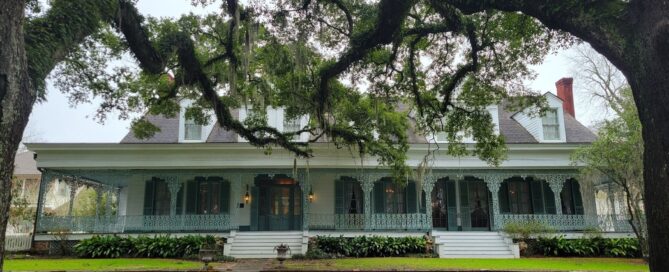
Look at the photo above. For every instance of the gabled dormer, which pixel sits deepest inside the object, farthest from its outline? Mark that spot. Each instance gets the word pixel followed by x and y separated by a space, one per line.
pixel 550 127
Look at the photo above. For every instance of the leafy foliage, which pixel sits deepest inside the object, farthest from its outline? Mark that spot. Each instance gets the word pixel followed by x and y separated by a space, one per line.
pixel 588 247
pixel 617 155
pixel 21 214
pixel 112 246
pixel 370 246
pixel 364 81
pixel 525 230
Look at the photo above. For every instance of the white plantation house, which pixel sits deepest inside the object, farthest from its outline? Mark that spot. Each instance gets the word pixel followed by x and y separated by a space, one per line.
pixel 189 178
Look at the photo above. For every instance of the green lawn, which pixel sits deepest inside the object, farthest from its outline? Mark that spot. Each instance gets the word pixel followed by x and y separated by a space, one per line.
pixel 98 264
pixel 530 264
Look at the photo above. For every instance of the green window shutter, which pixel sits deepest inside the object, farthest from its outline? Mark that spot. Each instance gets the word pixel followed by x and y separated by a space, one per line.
pixel 537 196
pixel 504 198
pixel 379 197
pixel 255 203
pixel 576 196
pixel 412 202
pixel 423 200
pixel 339 197
pixel 149 191
pixel 549 199
pixel 191 197
pixel 225 196
pixel 180 200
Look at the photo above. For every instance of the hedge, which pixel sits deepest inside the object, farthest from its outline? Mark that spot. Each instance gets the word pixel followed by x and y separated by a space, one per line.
pixel 588 247
pixel 112 246
pixel 372 246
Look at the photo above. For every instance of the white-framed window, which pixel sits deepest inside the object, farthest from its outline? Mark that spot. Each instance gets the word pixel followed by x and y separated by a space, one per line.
pixel 292 125
pixel 551 125
pixel 440 137
pixel 192 131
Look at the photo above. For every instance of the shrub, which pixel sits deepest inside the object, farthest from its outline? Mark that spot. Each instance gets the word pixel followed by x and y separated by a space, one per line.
pixel 372 246
pixel 623 247
pixel 103 247
pixel 588 247
pixel 525 230
pixel 111 246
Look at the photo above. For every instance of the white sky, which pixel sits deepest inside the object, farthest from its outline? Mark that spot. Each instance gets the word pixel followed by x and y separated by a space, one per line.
pixel 56 121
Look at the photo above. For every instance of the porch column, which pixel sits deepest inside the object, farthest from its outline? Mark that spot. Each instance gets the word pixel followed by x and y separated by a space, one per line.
pixel 236 181
pixel 305 185
pixel 174 186
pixel 556 182
pixel 494 182
pixel 46 178
pixel 74 185
pixel 367 184
pixel 428 185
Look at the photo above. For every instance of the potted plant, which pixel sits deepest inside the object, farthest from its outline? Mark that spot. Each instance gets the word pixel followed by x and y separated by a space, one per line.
pixel 281 253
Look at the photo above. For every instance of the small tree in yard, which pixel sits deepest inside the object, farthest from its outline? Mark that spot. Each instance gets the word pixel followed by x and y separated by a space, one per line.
pixel 21 215
pixel 617 154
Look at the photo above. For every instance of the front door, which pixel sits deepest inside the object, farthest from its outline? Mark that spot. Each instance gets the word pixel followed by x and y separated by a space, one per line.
pixel 460 205
pixel 278 205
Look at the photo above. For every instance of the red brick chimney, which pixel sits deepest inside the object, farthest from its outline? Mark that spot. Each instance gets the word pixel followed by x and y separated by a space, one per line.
pixel 566 93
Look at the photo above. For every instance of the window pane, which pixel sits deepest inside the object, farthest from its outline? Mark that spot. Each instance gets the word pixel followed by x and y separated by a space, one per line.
pixel 292 125
pixel 440 137
pixel 162 199
pixel 192 131
pixel 215 196
pixel 395 198
pixel 352 198
pixel 551 125
pixel 204 198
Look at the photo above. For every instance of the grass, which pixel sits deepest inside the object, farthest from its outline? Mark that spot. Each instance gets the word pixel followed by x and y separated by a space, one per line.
pixel 529 264
pixel 98 264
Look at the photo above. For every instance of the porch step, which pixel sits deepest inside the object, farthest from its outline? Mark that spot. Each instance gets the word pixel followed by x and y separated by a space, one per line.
pixel 260 244
pixel 472 245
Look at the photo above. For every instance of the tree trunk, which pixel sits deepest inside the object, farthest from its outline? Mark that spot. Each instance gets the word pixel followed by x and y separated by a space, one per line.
pixel 651 91
pixel 647 55
pixel 16 101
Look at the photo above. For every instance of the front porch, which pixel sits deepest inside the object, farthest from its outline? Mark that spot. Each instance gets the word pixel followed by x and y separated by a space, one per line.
pixel 186 201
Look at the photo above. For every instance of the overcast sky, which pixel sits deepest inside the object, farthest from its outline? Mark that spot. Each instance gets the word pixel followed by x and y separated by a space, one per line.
pixel 56 121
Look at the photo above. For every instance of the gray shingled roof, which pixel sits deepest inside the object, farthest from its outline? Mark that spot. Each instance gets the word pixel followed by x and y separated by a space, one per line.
pixel 169 131
pixel 512 131
pixel 577 132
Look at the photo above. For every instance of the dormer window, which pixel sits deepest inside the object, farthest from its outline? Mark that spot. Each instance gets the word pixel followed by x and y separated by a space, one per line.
pixel 292 125
pixel 551 125
pixel 192 131
pixel 441 137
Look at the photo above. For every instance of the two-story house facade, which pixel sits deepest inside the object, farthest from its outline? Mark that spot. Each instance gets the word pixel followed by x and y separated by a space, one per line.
pixel 190 178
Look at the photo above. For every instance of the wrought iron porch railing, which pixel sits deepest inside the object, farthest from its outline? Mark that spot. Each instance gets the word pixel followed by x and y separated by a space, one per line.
pixel 568 222
pixel 134 223
pixel 324 221
pixel 377 221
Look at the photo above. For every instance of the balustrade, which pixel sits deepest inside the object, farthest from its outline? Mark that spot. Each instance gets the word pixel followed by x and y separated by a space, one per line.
pixel 134 223
pixel 377 221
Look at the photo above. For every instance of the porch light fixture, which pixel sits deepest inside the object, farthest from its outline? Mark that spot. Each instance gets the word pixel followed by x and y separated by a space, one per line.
pixel 311 196
pixel 247 197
